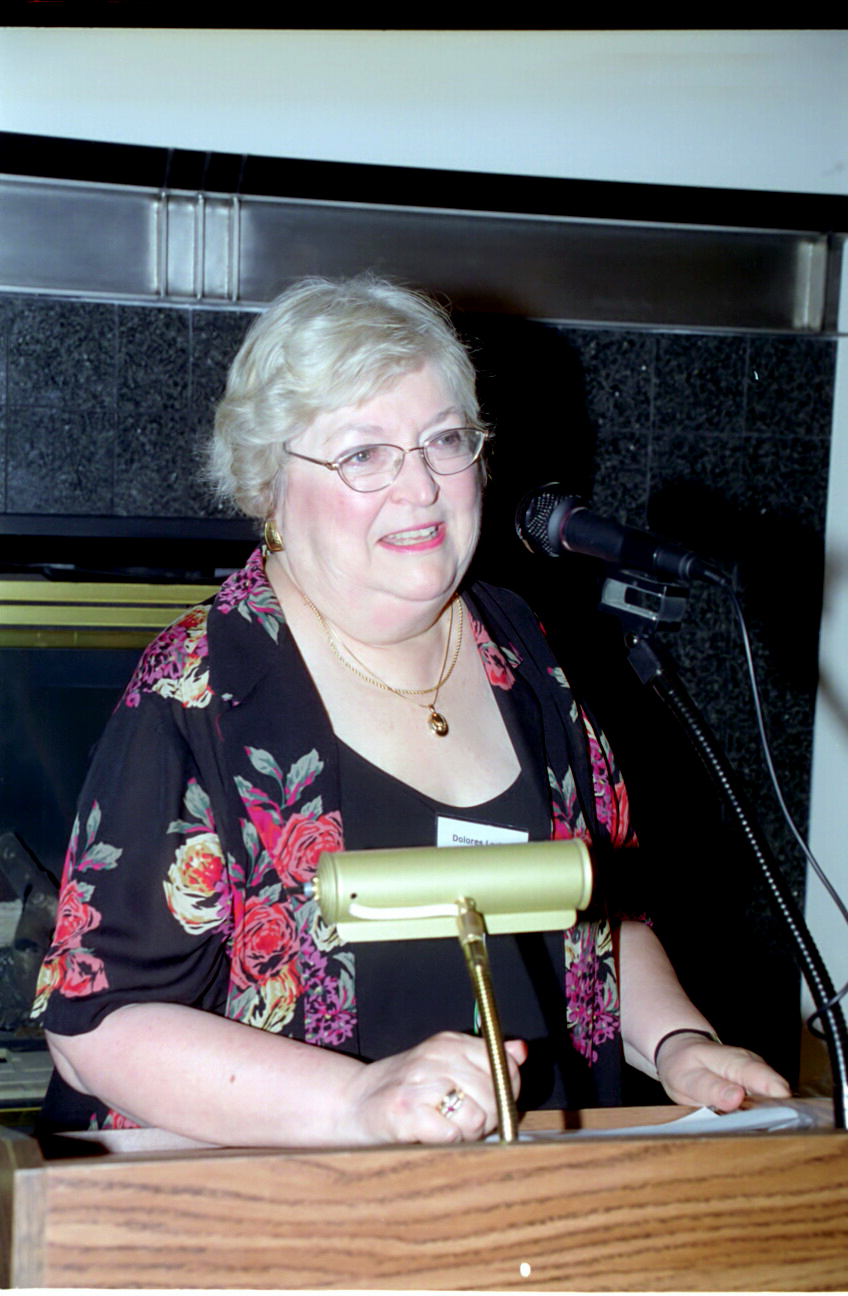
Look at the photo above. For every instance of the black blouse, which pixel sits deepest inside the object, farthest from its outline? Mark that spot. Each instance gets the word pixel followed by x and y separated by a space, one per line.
pixel 409 991
pixel 210 797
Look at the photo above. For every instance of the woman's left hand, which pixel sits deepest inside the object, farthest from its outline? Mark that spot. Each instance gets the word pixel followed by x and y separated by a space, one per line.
pixel 700 1072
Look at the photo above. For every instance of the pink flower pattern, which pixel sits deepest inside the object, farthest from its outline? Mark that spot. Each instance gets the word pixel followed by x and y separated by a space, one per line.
pixel 591 989
pixel 497 662
pixel 611 802
pixel 175 663
pixel 249 593
pixel 591 985
pixel 249 898
pixel 330 1008
pixel 284 849
pixel 70 966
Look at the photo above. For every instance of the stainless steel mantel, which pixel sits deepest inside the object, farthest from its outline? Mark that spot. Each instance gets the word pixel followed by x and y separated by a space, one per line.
pixel 117 241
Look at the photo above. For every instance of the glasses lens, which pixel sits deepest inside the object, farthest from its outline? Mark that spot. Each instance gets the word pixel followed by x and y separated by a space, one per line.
pixel 452 451
pixel 371 467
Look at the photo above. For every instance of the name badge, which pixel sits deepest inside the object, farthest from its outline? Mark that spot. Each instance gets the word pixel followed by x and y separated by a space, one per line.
pixel 464 832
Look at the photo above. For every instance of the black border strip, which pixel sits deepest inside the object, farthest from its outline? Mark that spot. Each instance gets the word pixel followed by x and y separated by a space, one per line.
pixel 50 157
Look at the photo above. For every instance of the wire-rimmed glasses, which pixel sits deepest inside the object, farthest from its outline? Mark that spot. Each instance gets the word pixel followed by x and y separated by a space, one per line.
pixel 373 467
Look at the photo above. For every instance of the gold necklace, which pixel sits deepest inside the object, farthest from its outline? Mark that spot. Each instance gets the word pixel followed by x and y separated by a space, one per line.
pixel 436 721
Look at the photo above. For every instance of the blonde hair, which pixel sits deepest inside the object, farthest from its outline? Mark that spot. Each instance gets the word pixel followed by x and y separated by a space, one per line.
pixel 322 345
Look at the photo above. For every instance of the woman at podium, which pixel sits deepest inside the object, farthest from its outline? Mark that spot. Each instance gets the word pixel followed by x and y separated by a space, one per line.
pixel 350 688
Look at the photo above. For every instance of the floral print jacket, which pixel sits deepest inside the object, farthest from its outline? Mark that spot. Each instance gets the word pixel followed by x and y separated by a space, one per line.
pixel 215 788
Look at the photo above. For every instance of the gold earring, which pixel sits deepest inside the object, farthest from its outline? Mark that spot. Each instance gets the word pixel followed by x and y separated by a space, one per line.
pixel 273 539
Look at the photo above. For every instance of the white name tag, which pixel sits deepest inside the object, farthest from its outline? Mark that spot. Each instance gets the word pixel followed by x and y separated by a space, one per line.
pixel 463 832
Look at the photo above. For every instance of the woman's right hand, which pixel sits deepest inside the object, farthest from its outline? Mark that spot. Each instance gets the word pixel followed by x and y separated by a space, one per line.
pixel 219 1081
pixel 398 1099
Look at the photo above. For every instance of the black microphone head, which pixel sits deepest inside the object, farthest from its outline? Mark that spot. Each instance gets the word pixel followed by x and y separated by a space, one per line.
pixel 539 518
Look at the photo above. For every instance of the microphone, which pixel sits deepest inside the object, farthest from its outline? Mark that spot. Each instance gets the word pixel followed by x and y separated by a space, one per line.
pixel 551 523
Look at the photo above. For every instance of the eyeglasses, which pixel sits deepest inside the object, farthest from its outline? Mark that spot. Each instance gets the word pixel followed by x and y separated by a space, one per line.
pixel 373 467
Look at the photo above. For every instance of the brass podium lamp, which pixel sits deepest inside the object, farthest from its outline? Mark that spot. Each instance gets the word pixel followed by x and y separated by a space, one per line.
pixel 466 891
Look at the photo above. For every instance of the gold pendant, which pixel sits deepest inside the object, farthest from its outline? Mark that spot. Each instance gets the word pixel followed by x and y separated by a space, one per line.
pixel 437 723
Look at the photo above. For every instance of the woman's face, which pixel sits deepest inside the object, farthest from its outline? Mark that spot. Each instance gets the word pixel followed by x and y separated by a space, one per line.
pixel 387 557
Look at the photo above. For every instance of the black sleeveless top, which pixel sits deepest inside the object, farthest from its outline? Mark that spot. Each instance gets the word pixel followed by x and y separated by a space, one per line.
pixel 407 991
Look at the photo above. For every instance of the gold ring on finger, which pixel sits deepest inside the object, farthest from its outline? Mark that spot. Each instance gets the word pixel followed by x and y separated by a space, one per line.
pixel 451 1103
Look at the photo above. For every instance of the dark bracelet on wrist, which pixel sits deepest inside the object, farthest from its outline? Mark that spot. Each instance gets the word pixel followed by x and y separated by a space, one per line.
pixel 685 1030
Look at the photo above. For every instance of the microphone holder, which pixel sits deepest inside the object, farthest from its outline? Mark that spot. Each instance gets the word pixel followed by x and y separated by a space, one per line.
pixel 644 606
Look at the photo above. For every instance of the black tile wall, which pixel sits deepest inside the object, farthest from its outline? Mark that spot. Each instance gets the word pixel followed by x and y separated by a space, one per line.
pixel 789 386
pixel 697 384
pixel 158 465
pixel 216 336
pixel 734 464
pixel 620 368
pixel 60 460
pixel 738 468
pixel 106 405
pixel 61 353
pixel 718 441
pixel 153 355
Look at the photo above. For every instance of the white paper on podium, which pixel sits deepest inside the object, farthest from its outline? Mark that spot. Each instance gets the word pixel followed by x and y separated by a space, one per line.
pixel 766 1117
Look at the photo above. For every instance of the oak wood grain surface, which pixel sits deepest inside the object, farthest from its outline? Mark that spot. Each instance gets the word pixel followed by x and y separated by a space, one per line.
pixel 749 1212
pixel 22 1191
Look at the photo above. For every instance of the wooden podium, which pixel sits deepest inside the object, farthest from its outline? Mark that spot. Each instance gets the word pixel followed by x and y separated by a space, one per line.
pixel 674 1212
